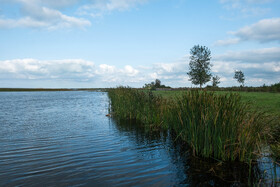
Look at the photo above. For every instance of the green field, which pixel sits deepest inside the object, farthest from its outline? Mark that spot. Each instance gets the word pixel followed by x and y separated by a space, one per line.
pixel 260 101
pixel 263 101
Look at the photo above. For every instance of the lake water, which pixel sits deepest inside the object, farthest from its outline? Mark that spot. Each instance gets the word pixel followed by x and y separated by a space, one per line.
pixel 64 138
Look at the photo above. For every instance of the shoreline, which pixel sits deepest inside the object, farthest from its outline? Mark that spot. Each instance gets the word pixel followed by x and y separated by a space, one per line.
pixel 48 89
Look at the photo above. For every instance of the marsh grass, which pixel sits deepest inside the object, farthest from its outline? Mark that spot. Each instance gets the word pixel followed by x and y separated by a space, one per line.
pixel 275 139
pixel 132 104
pixel 275 149
pixel 218 126
pixel 214 126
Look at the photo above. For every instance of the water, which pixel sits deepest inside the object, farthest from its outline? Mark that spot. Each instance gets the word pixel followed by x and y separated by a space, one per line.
pixel 64 138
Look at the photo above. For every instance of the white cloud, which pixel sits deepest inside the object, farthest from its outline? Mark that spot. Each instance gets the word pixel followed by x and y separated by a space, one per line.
pixel 63 21
pixel 49 13
pixel 260 1
pixel 98 8
pixel 245 8
pixel 78 70
pixel 170 68
pixel 48 3
pixel 122 4
pixel 106 69
pixel 246 1
pixel 251 56
pixel 108 73
pixel 52 3
pixel 259 65
pixel 227 42
pixel 111 5
pixel 38 69
pixel 170 73
pixel 266 30
pixel 74 69
pixel 36 16
pixel 267 72
pixel 130 71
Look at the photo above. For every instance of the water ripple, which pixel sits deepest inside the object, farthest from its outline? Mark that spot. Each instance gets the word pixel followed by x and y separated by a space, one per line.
pixel 64 138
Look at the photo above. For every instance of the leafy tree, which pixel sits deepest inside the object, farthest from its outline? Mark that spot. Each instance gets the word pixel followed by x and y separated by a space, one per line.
pixel 239 76
pixel 150 86
pixel 200 65
pixel 154 85
pixel 157 83
pixel 215 81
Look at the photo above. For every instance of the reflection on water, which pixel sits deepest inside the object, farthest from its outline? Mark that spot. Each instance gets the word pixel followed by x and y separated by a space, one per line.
pixel 64 138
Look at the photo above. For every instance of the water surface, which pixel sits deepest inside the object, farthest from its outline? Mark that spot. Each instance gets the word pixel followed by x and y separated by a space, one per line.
pixel 64 138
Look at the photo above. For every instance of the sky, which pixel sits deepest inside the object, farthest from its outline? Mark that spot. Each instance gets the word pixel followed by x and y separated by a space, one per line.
pixel 108 43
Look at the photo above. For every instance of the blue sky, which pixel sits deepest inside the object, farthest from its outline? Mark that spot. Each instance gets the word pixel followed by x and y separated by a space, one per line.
pixel 106 43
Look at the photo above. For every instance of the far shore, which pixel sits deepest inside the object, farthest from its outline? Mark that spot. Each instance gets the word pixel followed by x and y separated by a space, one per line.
pixel 48 89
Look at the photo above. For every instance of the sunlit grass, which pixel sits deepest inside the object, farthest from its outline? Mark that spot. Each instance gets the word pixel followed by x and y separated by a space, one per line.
pixel 259 101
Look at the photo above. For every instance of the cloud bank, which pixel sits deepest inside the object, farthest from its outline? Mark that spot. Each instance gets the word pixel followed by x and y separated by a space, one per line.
pixel 49 14
pixel 264 31
pixel 41 14
pixel 72 70
pixel 245 8
pixel 260 66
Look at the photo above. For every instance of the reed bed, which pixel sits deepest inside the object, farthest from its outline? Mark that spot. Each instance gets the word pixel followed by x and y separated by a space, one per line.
pixel 218 126
pixel 214 126
pixel 133 104
pixel 275 148
pixel 275 139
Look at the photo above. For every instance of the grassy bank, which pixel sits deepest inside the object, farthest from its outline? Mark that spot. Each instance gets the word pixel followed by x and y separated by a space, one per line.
pixel 215 126
pixel 265 102
pixel 259 101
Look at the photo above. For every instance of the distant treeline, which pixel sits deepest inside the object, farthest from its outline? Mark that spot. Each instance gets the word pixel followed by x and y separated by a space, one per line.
pixel 48 89
pixel 264 88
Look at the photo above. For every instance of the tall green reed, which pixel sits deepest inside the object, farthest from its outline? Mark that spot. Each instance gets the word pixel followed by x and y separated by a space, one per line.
pixel 214 126
pixel 218 126
pixel 133 104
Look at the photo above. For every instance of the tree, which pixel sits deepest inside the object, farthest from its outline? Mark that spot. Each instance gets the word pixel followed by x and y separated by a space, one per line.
pixel 239 76
pixel 215 81
pixel 150 86
pixel 154 85
pixel 200 65
pixel 157 83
